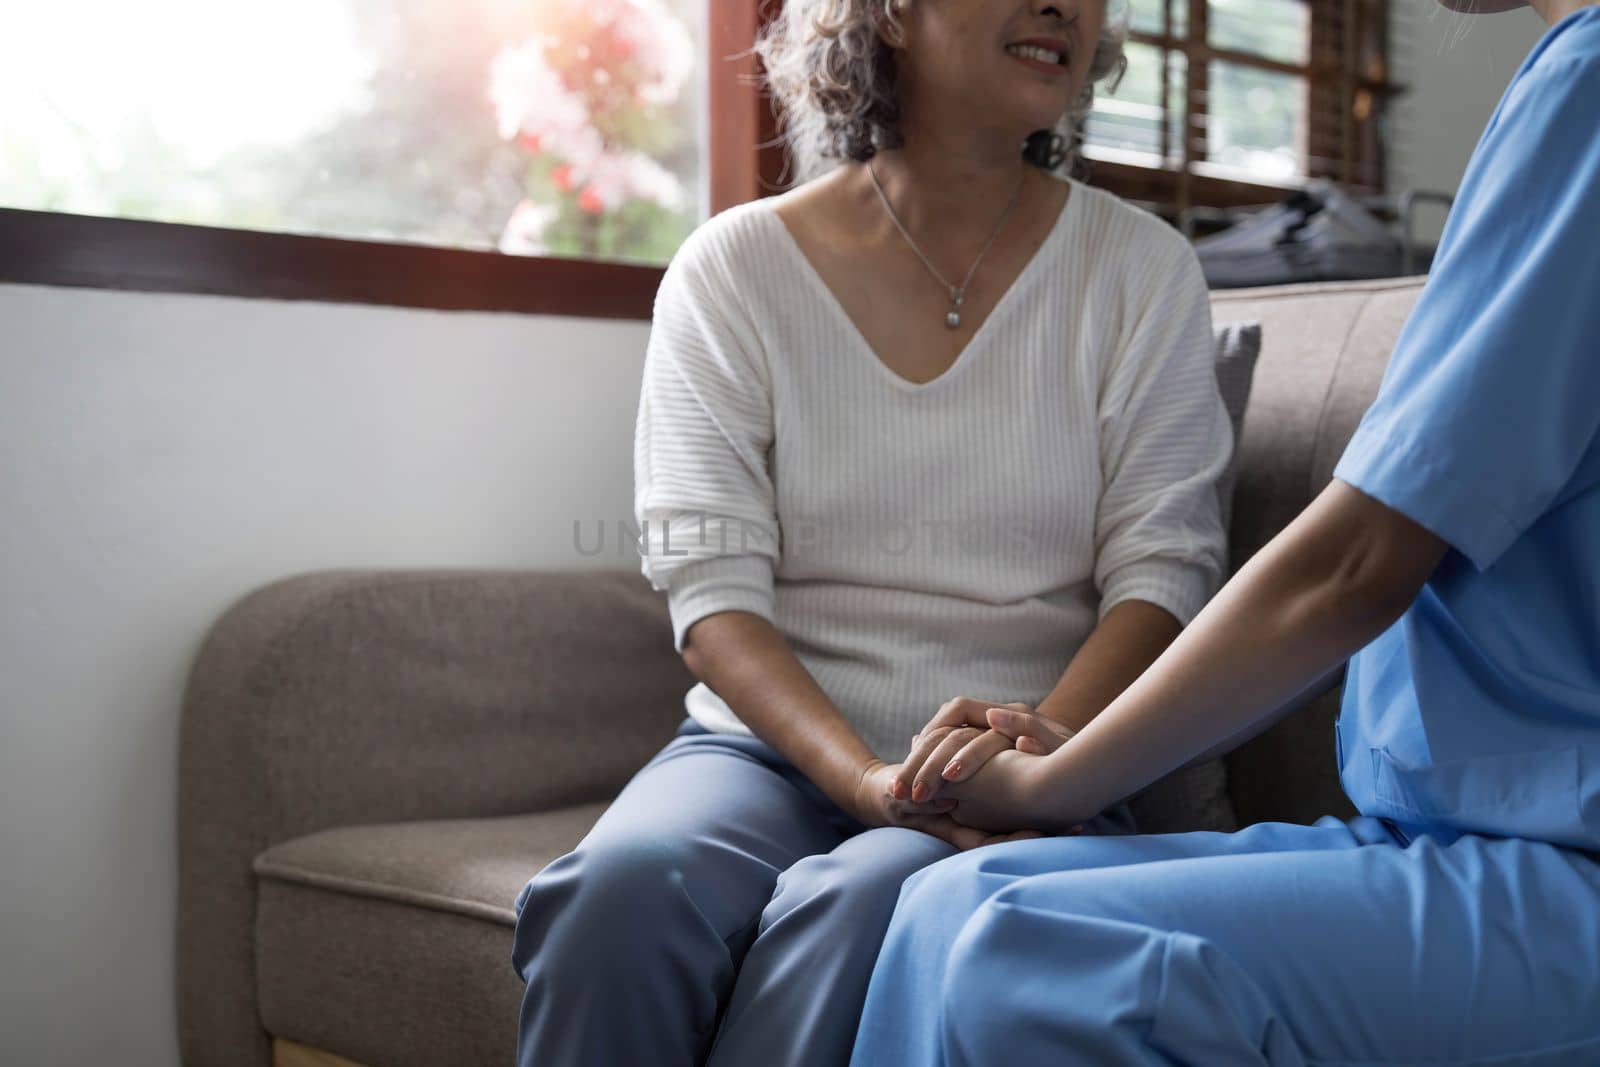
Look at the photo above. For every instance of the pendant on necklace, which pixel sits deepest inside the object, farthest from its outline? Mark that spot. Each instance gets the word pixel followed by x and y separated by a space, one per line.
pixel 953 318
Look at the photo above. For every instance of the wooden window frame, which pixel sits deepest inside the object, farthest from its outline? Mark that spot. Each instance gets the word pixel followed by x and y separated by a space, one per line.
pixel 61 249
pixel 1347 71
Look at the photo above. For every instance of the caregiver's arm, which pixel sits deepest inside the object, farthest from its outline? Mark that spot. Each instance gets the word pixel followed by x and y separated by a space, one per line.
pixel 1297 703
pixel 1340 574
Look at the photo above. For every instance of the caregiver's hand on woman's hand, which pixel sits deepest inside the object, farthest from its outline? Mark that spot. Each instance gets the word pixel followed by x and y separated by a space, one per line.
pixel 876 807
pixel 962 736
pixel 1013 787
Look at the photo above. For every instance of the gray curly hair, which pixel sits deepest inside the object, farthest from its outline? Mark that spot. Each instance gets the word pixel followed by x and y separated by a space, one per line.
pixel 832 77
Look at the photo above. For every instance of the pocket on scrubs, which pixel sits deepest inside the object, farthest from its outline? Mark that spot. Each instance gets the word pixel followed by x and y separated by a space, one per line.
pixel 1523 794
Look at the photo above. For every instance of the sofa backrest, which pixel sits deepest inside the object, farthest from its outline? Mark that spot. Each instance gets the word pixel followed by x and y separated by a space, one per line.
pixel 1324 347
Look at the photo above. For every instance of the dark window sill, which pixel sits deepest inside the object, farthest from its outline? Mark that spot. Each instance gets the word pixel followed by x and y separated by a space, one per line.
pixel 51 248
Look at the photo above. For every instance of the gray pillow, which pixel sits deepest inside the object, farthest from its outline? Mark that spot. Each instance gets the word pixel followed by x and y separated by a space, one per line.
pixel 1238 344
pixel 1196 798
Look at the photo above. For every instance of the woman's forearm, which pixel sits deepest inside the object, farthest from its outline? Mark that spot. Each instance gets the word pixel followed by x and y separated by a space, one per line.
pixel 746 661
pixel 1339 575
pixel 1129 638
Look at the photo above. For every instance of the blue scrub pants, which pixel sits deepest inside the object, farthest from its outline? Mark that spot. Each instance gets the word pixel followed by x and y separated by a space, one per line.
pixel 1345 942
pixel 721 911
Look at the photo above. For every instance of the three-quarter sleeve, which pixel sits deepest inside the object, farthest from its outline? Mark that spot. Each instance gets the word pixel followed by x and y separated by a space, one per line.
pixel 704 501
pixel 1165 440
pixel 1490 403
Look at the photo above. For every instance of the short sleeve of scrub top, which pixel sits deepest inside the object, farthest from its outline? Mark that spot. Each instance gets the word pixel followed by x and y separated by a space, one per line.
pixel 1479 709
pixel 1491 398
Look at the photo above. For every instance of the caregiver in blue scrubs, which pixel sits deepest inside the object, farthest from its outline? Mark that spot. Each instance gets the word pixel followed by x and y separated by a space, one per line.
pixel 1455 560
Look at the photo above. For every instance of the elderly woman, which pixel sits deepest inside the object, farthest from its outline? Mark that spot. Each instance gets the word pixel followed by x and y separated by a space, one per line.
pixel 1456 553
pixel 870 492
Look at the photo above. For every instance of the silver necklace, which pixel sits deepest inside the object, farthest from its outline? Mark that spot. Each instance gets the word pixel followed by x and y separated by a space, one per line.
pixel 952 318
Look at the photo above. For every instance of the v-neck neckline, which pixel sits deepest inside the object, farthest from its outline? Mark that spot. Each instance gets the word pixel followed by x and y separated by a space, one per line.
pixel 967 353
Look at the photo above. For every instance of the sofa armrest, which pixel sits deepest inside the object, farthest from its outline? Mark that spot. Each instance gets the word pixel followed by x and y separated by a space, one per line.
pixel 357 696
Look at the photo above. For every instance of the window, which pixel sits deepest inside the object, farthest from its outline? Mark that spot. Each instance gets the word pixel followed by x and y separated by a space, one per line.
pixel 1229 102
pixel 504 154
pixel 545 129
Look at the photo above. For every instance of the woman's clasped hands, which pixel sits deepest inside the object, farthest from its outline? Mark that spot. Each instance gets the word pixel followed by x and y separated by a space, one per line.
pixel 980 763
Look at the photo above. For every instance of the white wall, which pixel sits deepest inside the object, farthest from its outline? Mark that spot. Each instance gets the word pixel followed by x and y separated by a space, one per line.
pixel 1458 66
pixel 161 455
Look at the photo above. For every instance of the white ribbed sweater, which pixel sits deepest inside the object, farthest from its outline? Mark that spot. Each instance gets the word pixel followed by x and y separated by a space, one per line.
pixel 961 537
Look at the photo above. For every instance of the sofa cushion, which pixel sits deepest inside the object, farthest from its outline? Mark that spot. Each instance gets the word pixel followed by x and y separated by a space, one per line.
pixel 1323 349
pixel 286 1053
pixel 391 943
pixel 1190 798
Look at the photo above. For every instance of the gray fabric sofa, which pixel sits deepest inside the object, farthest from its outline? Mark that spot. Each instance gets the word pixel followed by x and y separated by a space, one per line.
pixel 373 762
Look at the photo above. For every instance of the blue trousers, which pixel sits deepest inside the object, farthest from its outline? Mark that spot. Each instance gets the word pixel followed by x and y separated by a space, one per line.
pixel 721 911
pixel 1345 942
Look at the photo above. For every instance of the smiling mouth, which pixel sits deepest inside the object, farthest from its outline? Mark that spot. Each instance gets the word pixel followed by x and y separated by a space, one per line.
pixel 1038 54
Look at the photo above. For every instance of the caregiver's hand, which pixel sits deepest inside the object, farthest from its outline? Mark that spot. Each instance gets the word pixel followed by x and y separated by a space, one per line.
pixel 875 807
pixel 1030 732
pixel 960 738
pixel 1012 787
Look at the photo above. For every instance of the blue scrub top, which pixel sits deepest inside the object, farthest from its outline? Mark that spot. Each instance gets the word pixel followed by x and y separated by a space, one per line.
pixel 1479 709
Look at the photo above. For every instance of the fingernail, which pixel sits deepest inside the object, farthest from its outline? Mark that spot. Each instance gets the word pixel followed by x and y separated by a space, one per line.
pixel 952 769
pixel 899 790
pixel 919 791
